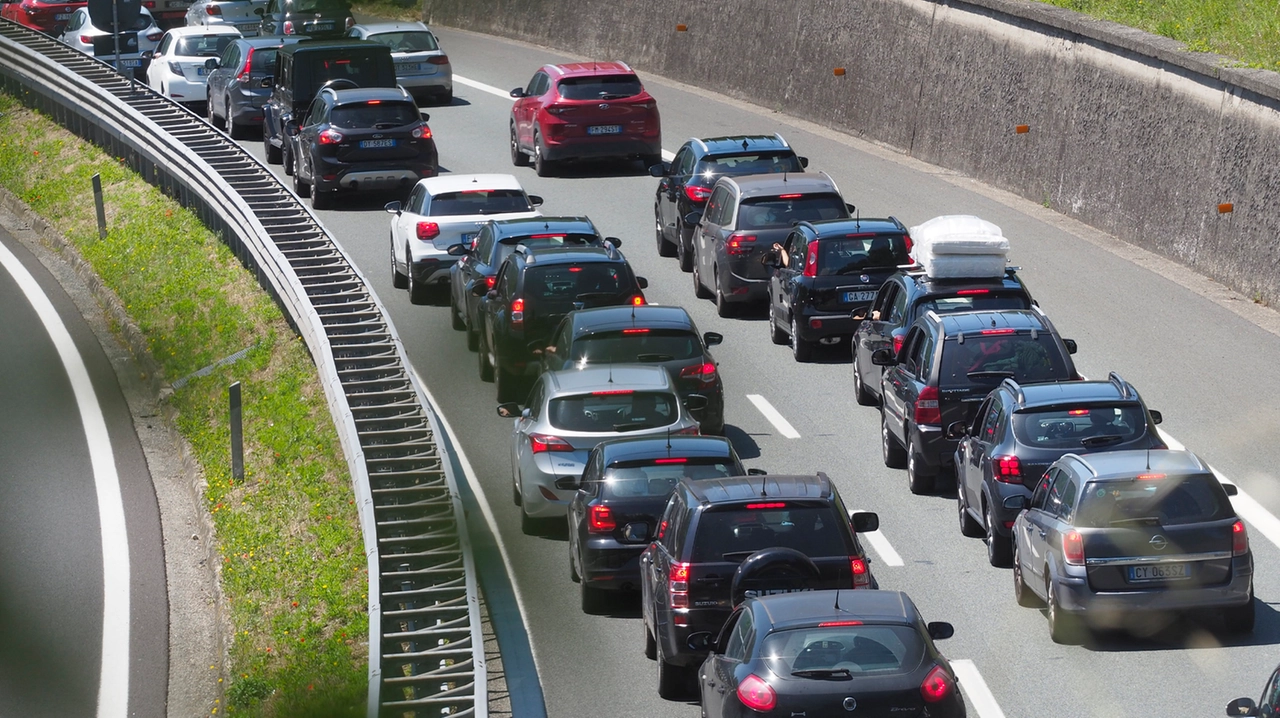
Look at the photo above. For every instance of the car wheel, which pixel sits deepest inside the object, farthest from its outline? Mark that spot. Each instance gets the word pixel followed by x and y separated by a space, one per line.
pixel 918 481
pixel 516 497
pixel 723 307
pixel 650 645
pixel 671 680
pixel 594 600
pixel 1239 619
pixel 665 247
pixel 861 393
pixel 213 116
pixel 473 337
pixel 969 526
pixel 1021 593
pixel 399 280
pixel 800 349
pixel 235 129
pixel 1063 627
pixel 999 548
pixel 541 164
pixel 324 200
pixel 419 293
pixel 303 189
pixel 895 457
pixel 286 153
pixel 486 369
pixel 776 335
pixel 518 157
pixel 684 246
pixel 507 384
pixel 271 151
pixel 699 289
pixel 455 317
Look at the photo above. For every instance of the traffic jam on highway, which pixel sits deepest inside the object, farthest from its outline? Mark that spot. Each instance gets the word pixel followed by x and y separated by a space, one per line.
pixel 757 596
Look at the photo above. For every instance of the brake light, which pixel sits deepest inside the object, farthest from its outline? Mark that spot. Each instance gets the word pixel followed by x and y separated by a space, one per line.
pixel 1073 548
pixel 1149 477
pixel 86 39
pixel 671 461
pixel 1078 412
pixel 697 194
pixel 734 245
pixel 998 331
pixel 517 312
pixel 705 373
pixel 789 196
pixel 687 431
pixel 861 573
pixel 756 694
pixel 1006 469
pixel 212 10
pixel 288 27
pixel 612 392
pixel 906 239
pixel 248 59
pixel 1239 539
pixel 811 260
pixel 968 292
pixel 542 443
pixel 490 281
pixel 927 411
pixel 374 102
pixel 678 585
pixel 637 300
pixel 897 343
pixel 936 685
pixel 438 60
pixel 428 230
pixel 601 520
pixel 662 529
pixel 422 132
pixel 633 331
pixel 155 36
pixel 767 505
pixel 836 624
pixel 329 137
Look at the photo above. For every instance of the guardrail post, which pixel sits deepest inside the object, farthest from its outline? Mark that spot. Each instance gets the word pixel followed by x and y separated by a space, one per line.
pixel 237 439
pixel 97 203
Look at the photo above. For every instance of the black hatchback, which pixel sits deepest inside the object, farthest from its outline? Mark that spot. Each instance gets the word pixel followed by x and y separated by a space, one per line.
pixel 313 18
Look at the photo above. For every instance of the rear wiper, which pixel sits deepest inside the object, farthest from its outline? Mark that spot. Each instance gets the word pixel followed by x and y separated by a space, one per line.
pixel 595 295
pixel 1092 441
pixel 849 269
pixel 826 674
pixel 990 375
pixel 385 125
pixel 613 95
pixel 633 426
pixel 653 357
pixel 1138 521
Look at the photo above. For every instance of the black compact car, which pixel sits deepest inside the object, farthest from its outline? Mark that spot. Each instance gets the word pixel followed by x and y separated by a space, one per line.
pixel 313 18
pixel 301 69
pixel 686 181
pixel 1020 429
pixel 497 239
pixel 1268 706
pixel 906 295
pixel 360 140
pixel 239 83
pixel 823 653
pixel 1131 536
pixel 824 272
pixel 534 291
pixel 711 529
pixel 650 334
pixel 946 367
pixel 623 492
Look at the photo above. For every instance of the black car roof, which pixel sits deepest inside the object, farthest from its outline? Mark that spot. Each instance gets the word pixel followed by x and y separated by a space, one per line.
pixel 744 488
pixel 603 319
pixel 322 46
pixel 365 94
pixel 833 227
pixel 966 322
pixel 652 447
pixel 554 225
pixel 809 608
pixel 541 256
pixel 732 144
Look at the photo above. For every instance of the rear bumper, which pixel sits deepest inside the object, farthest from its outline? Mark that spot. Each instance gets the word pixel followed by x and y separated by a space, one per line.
pixel 1108 607
pixel 371 176
pixel 831 325
pixel 936 450
pixel 439 83
pixel 597 147
pixel 432 270
pixel 186 91
pixel 739 288
pixel 610 565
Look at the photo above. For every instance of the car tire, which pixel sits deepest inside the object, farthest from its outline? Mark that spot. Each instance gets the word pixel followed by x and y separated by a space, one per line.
pixel 650 645
pixel 666 248
pixel 573 564
pixel 1239 620
pixel 455 317
pixel 473 337
pixel 486 369
pixel 919 483
pixel 1063 627
pixel 776 335
pixel 303 189
pixel 672 681
pixel 399 280
pixel 1021 592
pixel 324 200
pixel 724 308
pixel 271 151
pixel 541 164
pixel 518 157
pixel 445 98
pixel 507 385
pixel 516 497
pixel 684 247
pixel 419 293
pixel 699 289
pixel 969 526
pixel 235 129
pixel 594 600
pixel 212 115
pixel 861 393
pixel 999 548
pixel 800 349
pixel 286 154
pixel 895 457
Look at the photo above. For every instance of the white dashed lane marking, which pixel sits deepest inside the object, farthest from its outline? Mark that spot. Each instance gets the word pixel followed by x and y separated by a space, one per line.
pixel 780 423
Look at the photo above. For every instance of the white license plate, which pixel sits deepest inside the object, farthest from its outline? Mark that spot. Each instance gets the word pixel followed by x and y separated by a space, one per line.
pixel 369 144
pixel 468 236
pixel 1160 572
pixel 604 130
pixel 62 16
pixel 408 67
pixel 859 296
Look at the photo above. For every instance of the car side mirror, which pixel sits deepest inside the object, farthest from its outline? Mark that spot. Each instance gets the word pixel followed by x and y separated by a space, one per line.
pixel 292 129
pixel 694 218
pixel 615 241
pixel 661 170
pixel 695 402
pixel 941 630
pixel 267 81
pixel 458 250
pixel 852 209
pixel 757 472
pixel 210 64
pixel 479 289
pixel 1231 489
pixel 535 200
pixel 642 282
pixel 858 314
pixel 804 161
pixel 509 410
pixel 864 521
pixel 392 207
pixel 957 430
pixel 700 641
pixel 1238 707
pixel 771 259
pixel 518 92
pixel 636 532
pixel 259 11
pixel 883 357
pixel 1015 503
pixel 1070 344
pixel 712 339
pixel 1156 417
pixel 148 54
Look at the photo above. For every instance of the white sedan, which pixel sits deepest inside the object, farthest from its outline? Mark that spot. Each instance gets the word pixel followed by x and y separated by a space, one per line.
pixel 179 67
pixel 446 211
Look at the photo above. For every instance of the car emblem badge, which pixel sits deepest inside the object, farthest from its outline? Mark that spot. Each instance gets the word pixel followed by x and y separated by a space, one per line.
pixel 604 105
pixel 865 279
pixel 850 703
pixel 377 137
pixel 1158 542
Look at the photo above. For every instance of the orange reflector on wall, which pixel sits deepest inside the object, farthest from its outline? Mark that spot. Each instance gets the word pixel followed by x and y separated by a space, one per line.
pixel 1022 129
pixel 1226 208
pixel 838 72
pixel 681 27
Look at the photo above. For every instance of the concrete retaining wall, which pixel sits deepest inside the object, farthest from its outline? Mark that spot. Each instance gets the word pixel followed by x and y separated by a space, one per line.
pixel 1127 133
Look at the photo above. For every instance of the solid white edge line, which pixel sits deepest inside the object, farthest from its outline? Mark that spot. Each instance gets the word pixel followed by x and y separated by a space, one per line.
pixel 880 543
pixel 1247 507
pixel 113 676
pixel 780 423
pixel 973 686
pixel 505 94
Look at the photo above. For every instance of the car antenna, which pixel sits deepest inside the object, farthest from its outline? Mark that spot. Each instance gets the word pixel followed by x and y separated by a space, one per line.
pixel 839 571
pixel 744 143
pixel 1148 459
pixel 857 219
pixel 764 485
pixel 668 441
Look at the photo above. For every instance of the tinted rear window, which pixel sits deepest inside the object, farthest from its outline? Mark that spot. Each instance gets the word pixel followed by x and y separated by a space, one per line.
pixel 602 87
pixel 777 212
pixel 418 41
pixel 263 60
pixel 206 46
pixel 1169 500
pixel 507 245
pixel 362 68
pixel 607 411
pixel 1081 427
pixel 657 480
pixel 739 531
pixel 862 650
pixel 371 116
pixel 322 6
pixel 567 283
pixel 851 255
pixel 480 201
pixel 751 163
pixel 637 345
pixel 973 303
pixel 984 360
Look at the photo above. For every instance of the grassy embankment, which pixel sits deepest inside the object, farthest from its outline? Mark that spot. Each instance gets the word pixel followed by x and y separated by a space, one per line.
pixel 293 568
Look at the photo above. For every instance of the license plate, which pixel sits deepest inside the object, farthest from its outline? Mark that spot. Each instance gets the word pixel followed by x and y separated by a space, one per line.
pixel 1160 572
pixel 62 16
pixel 320 26
pixel 405 67
pixel 604 130
pixel 131 63
pixel 202 70
pixel 468 236
pixel 858 296
pixel 370 144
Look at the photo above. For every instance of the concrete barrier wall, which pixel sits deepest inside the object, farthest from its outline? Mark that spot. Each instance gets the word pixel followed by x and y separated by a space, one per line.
pixel 1127 133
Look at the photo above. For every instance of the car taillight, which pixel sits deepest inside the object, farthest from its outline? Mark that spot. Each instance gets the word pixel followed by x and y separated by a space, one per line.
pixel 687 431
pixel 438 59
pixel 897 343
pixel 329 137
pixel 288 27
pixel 422 132
pixel 542 443
pixel 155 36
pixel 927 411
pixel 696 194
pixel 517 312
pixel 936 685
pixel 861 574
pixel 601 520
pixel 705 373
pixel 1073 548
pixel 243 75
pixel 637 300
pixel 175 68
pixel 736 240
pixel 756 694
pixel 428 230
pixel 811 260
pixel 490 281
pixel 678 585
pixel 1006 469
pixel 1239 539
pixel 212 10
pixel 86 39
pixel 906 239
pixel 557 109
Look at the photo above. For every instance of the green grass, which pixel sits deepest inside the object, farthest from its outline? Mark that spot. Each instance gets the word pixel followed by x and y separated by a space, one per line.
pixel 1247 31
pixel 293 570
pixel 409 10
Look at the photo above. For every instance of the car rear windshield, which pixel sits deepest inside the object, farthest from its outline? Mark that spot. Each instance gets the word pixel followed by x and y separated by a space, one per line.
pixel 600 87
pixel 263 60
pixel 591 284
pixel 322 6
pixel 1167 500
pixel 854 254
pixel 361 67
pixel 414 41
pixel 374 115
pixel 984 302
pixel 987 359
pixel 203 46
pixel 783 210
pixel 479 201
pixel 748 163
pixel 657 480
pixel 639 344
pixel 864 649
pixel 1089 427
pixel 614 411
pixel 507 245
pixel 732 533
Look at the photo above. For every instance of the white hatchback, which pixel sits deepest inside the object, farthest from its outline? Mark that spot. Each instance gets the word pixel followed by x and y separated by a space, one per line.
pixel 446 211
pixel 179 68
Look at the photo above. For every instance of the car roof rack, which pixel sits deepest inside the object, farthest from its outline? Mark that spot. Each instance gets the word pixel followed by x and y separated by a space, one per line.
pixel 1126 390
pixel 1016 389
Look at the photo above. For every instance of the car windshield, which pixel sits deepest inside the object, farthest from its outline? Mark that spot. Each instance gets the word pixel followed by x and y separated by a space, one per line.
pixel 373 115
pixel 783 210
pixel 853 254
pixel 263 59
pixel 600 87
pixel 202 46
pixel 985 302
pixel 329 7
pixel 1079 427
pixel 1169 500
pixel 409 41
pixel 859 649
pixel 507 245
pixel 563 286
pixel 637 344
pixel 748 164
pixel 605 411
pixel 732 533
pixel 479 201
pixel 660 479
pixel 987 359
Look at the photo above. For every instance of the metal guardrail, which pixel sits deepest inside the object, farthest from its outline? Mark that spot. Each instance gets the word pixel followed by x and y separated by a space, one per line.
pixel 426 655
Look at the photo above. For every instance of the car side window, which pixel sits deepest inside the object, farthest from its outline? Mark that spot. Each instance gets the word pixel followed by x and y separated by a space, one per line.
pixel 231 56
pixel 564 344
pixel 674 522
pixel 1070 489
pixel 535 400
pixel 715 205
pixel 990 419
pixel 507 284
pixel 1040 498
pixel 727 211
pixel 314 113
pixel 682 163
pixel 980 420
pixel 484 244
pixel 1271 695
pixel 165 44
pixel 741 638
pixel 911 352
pixel 1054 503
pixel 898 314
pixel 926 357
pixel 274 8
pixel 796 246
pixel 417 200
pixel 76 20
pixel 883 301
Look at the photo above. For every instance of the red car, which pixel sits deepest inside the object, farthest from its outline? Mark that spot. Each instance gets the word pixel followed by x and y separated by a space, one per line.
pixel 586 110
pixel 47 17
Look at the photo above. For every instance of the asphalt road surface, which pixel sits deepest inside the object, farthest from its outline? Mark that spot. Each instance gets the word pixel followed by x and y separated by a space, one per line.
pixel 1204 357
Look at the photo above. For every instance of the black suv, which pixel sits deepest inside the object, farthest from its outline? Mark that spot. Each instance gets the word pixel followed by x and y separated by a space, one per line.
pixel 1022 428
pixel 909 293
pixel 688 178
pixel 946 367
pixel 623 491
pixel 649 334
pixel 824 272
pixel 710 528
pixel 303 68
pixel 313 18
pixel 497 240
pixel 366 140
pixel 534 291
